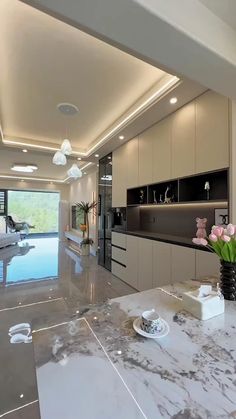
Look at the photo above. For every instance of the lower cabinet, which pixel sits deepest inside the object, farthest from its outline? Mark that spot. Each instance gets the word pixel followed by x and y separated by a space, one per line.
pixel 183 265
pixel 161 262
pixel 145 267
pixel 147 264
pixel 132 261
pixel 207 264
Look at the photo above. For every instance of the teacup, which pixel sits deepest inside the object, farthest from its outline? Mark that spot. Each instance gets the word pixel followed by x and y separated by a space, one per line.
pixel 150 321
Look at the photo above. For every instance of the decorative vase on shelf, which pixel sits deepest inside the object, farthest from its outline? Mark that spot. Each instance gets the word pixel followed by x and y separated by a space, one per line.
pixel 228 280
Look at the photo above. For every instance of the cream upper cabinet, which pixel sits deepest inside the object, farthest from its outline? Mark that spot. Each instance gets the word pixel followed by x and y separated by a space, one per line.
pixel 183 263
pixel 183 141
pixel 161 264
pixel 132 163
pixel 161 155
pixel 132 250
pixel 119 174
pixel 144 264
pixel 145 157
pixel 212 132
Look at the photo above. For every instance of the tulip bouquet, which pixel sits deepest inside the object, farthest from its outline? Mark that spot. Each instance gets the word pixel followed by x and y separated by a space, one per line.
pixel 222 241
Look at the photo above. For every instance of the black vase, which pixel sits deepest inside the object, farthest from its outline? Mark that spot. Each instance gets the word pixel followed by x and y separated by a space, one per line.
pixel 228 280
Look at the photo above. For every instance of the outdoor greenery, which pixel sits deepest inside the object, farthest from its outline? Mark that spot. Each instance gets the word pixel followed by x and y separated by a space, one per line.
pixel 39 209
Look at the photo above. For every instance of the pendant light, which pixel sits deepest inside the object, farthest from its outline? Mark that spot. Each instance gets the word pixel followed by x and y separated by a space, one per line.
pixel 59 159
pixel 66 147
pixel 74 171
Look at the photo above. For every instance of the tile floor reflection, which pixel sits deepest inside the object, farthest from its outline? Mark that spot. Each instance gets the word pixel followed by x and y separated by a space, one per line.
pixel 79 284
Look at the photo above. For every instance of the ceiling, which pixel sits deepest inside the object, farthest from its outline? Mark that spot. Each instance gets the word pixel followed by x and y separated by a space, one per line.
pixel 44 62
pixel 224 9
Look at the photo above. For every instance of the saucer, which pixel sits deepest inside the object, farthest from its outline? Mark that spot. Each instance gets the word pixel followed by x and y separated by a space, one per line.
pixel 159 334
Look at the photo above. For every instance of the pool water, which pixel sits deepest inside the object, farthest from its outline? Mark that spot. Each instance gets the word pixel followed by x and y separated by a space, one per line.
pixel 30 260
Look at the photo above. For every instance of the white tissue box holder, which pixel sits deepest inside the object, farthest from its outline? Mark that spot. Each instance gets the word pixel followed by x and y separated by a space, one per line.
pixel 205 307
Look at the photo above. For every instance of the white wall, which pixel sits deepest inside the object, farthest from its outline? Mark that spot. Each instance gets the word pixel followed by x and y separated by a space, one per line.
pixel 85 189
pixel 37 186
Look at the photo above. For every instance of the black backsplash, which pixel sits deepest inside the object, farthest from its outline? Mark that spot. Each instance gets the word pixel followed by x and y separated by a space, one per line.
pixel 174 220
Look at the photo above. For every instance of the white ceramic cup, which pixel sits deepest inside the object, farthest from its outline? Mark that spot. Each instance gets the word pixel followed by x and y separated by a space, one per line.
pixel 150 321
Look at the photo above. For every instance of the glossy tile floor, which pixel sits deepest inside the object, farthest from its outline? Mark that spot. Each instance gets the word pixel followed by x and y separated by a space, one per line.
pixel 42 282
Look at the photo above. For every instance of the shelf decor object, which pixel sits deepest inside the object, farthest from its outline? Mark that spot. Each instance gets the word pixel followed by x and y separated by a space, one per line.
pixel 222 241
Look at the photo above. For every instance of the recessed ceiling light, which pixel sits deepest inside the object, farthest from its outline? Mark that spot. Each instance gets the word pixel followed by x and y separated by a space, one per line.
pixel 24 150
pixel 173 100
pixel 26 168
pixel 79 158
pixel 121 137
pixel 96 155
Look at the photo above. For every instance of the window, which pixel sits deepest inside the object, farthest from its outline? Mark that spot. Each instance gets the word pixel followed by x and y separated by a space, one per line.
pixel 39 209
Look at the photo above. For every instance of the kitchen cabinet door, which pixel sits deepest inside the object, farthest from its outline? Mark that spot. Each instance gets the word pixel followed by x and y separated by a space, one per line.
pixel 132 261
pixel 161 156
pixel 132 166
pixel 145 157
pixel 207 264
pixel 119 168
pixel 183 141
pixel 144 264
pixel 161 264
pixel 183 263
pixel 212 132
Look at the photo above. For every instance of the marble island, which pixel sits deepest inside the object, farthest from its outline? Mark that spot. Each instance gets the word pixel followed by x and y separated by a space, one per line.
pixel 97 367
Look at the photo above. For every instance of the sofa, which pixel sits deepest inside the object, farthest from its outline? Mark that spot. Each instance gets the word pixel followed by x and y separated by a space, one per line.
pixel 9 238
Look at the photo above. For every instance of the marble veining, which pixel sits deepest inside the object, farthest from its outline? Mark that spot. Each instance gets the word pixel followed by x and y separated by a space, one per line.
pixel 188 374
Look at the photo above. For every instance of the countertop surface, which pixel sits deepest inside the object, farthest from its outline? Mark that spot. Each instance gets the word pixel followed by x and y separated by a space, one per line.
pixel 97 367
pixel 167 238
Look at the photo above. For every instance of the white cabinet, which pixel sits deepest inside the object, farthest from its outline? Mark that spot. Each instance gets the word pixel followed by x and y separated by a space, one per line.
pixel 132 159
pixel 118 239
pixel 161 264
pixel 119 167
pixel 207 264
pixel 118 270
pixel 144 264
pixel 212 132
pixel 132 261
pixel 182 263
pixel 183 141
pixel 145 157
pixel 161 155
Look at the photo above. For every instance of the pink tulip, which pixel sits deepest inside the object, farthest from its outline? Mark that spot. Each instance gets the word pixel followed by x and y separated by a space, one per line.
pixel 213 237
pixel 217 231
pixel 200 242
pixel 226 238
pixel 230 229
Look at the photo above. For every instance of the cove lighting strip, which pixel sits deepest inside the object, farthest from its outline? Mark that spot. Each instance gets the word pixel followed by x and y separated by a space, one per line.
pixel 36 179
pixel 156 95
pixel 20 178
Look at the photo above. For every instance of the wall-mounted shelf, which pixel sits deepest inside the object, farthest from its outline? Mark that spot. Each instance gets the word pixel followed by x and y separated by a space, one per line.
pixel 202 188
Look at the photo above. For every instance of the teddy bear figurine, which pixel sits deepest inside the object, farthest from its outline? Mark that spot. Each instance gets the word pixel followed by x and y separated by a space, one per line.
pixel 201 228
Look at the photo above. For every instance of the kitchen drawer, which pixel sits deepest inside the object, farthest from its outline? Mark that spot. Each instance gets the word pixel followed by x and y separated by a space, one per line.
pixel 118 239
pixel 119 255
pixel 118 270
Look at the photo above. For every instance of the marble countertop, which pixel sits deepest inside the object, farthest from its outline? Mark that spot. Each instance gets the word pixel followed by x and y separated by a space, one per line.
pixel 97 367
